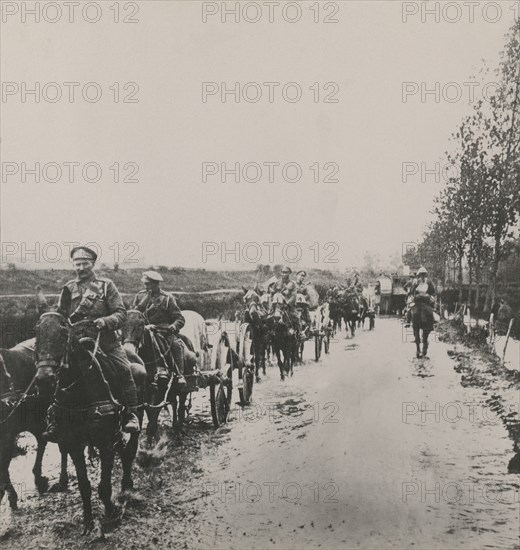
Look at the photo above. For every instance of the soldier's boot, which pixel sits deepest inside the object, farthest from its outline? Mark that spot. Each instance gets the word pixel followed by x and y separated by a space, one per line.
pixel 178 357
pixel 51 429
pixel 131 424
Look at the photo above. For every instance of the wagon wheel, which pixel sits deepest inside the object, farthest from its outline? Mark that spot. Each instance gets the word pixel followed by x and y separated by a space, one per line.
pixel 248 365
pixel 220 398
pixel 246 391
pixel 317 346
pixel 301 347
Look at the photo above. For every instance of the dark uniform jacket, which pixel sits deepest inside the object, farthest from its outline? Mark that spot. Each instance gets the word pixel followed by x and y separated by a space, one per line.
pixel 95 298
pixel 161 310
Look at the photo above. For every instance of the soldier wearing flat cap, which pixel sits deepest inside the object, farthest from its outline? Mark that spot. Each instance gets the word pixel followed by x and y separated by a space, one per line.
pixel 163 316
pixel 89 297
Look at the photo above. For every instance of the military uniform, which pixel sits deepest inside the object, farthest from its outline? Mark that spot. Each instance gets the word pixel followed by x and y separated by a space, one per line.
pixel 287 289
pixel 95 298
pixel 162 310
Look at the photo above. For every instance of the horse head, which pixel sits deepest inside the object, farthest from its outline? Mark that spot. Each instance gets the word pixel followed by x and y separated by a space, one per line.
pixel 134 329
pixel 64 352
pixel 280 314
pixel 253 308
pixel 52 339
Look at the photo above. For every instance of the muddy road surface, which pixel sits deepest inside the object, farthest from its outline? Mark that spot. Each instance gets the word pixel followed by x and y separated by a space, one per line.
pixel 369 447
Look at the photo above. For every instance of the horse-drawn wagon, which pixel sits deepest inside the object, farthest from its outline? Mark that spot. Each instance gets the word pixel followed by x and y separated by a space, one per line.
pixel 390 294
pixel 204 368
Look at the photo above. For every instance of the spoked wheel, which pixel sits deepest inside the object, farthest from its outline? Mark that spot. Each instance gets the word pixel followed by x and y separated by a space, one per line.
pixel 246 391
pixel 247 359
pixel 220 398
pixel 317 346
pixel 301 347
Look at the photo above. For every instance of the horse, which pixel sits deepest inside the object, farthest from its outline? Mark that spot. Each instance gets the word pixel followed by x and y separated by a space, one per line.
pixel 160 390
pixel 366 312
pixel 351 312
pixel 335 313
pixel 283 336
pixel 87 413
pixel 22 411
pixel 422 319
pixel 302 328
pixel 255 315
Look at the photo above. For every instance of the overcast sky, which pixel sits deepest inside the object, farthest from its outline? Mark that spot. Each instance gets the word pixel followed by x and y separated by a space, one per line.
pixel 170 212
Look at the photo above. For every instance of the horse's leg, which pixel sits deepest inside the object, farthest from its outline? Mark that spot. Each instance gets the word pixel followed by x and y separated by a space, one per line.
pixel 280 363
pixel 153 426
pixel 41 482
pixel 106 457
pixel 262 355
pixel 291 360
pixel 417 334
pixel 128 455
pixel 78 457
pixel 182 409
pixel 175 410
pixel 6 454
pixel 257 357
pixel 426 333
pixel 64 476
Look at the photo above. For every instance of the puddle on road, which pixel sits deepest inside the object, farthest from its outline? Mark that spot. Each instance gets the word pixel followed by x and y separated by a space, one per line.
pixel 422 368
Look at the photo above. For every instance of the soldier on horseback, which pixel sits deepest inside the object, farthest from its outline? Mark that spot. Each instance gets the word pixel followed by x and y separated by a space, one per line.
pixel 423 289
pixel 89 297
pixel 285 286
pixel 423 293
pixel 163 317
pixel 301 285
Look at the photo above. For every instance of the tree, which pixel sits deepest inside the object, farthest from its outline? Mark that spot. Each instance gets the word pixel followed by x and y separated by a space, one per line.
pixel 503 153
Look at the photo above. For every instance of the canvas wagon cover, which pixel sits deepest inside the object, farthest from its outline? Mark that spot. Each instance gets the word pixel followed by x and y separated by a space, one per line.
pixel 386 286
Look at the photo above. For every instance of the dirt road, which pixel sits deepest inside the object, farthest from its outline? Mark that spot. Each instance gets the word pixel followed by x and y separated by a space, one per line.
pixel 370 447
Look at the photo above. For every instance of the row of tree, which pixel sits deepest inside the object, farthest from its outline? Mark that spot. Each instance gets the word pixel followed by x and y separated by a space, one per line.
pixel 477 213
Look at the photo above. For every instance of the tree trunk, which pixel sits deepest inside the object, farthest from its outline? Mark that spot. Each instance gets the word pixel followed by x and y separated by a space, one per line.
pixel 460 278
pixel 471 283
pixel 477 283
pixel 492 292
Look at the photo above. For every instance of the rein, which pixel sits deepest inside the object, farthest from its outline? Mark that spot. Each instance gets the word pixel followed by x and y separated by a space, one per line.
pixel 93 362
pixel 96 346
pixel 163 357
pixel 20 401
pixel 165 401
